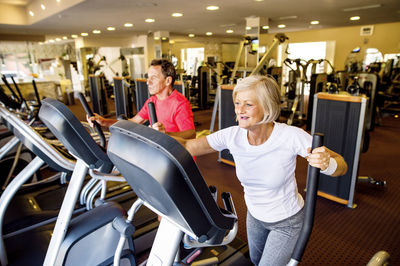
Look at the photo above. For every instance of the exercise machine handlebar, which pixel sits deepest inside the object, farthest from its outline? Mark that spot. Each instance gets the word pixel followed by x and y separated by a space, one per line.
pixel 200 242
pixel 279 38
pixel 10 89
pixel 309 208
pixel 152 113
pixel 90 113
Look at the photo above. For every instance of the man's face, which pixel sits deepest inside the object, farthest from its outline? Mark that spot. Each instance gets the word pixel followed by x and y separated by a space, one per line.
pixel 156 82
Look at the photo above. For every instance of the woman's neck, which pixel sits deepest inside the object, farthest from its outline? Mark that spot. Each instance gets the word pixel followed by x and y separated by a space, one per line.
pixel 259 134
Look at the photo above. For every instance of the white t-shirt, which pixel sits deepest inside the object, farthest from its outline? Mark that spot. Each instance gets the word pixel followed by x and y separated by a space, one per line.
pixel 266 171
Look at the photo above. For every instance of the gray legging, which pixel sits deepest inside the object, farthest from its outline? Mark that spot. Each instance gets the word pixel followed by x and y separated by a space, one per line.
pixel 273 243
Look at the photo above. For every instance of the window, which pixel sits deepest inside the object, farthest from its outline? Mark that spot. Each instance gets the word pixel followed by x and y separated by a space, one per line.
pixel 194 58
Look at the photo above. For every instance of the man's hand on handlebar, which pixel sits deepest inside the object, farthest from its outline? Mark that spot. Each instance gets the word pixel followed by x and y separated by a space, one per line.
pixel 159 127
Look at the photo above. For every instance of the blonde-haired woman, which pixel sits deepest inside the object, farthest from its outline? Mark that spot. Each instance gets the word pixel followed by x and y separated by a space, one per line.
pixel 265 154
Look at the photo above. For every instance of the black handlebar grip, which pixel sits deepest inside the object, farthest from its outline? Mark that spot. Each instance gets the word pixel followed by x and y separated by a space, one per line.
pixel 19 92
pixel 89 112
pixel 85 104
pixel 10 89
pixel 152 113
pixel 309 206
pixel 36 93
pixel 228 203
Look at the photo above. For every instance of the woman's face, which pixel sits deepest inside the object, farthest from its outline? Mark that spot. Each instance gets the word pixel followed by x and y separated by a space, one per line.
pixel 247 109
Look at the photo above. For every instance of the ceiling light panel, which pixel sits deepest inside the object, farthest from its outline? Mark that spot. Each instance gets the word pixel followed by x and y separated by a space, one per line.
pixel 355 18
pixel 212 8
pixel 177 15
pixel 149 20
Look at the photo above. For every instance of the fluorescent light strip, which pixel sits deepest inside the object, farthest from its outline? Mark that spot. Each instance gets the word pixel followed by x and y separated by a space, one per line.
pixel 287 17
pixel 361 8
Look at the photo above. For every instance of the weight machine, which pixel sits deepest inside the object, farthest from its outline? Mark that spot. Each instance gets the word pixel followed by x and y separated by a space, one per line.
pixel 295 94
pixel 279 38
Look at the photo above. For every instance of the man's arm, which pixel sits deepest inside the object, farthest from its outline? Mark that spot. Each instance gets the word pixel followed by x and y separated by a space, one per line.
pixel 137 119
pixel 186 134
pixel 104 122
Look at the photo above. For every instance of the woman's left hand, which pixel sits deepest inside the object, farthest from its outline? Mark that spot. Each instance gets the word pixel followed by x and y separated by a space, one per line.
pixel 319 157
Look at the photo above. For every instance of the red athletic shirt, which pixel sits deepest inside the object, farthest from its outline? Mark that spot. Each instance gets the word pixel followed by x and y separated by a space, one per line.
pixel 174 112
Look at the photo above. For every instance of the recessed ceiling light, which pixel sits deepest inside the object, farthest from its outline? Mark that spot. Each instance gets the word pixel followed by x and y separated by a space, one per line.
pixel 281 26
pixel 128 25
pixel 212 8
pixel 248 28
pixel 229 31
pixel 355 18
pixel 74 36
pixel 156 38
pixel 31 13
pixel 258 0
pixel 164 38
pixel 40 43
pixel 43 7
pixel 58 1
pixel 314 22
pixel 265 27
pixel 84 34
pixel 51 40
pixel 177 15
pixel 110 28
pixel 150 20
pixel 65 38
pixel 171 41
pixel 209 33
pixel 58 39
pixel 96 31
pixel 191 35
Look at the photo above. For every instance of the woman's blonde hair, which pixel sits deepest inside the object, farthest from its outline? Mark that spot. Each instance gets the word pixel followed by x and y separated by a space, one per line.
pixel 267 95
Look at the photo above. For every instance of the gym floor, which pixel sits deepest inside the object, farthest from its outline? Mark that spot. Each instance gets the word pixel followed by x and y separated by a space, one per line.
pixel 341 236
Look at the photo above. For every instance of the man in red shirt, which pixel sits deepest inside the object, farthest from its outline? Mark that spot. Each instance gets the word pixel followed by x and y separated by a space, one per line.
pixel 173 110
